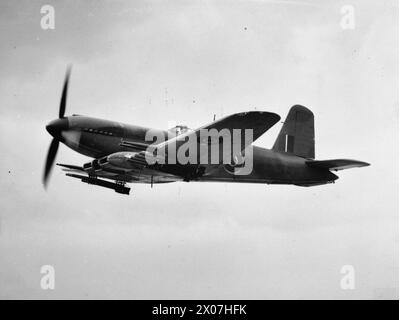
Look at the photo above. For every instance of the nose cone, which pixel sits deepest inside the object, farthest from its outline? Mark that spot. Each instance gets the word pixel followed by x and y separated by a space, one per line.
pixel 55 127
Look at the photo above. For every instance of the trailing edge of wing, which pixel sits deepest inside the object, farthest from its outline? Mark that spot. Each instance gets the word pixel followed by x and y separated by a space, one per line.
pixel 336 164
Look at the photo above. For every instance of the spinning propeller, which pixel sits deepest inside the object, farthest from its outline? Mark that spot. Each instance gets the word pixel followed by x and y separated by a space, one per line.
pixel 55 128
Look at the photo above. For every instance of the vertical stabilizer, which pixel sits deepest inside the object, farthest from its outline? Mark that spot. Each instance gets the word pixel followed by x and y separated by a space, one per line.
pixel 297 134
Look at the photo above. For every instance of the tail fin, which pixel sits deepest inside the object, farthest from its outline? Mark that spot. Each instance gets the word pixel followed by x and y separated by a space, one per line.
pixel 297 134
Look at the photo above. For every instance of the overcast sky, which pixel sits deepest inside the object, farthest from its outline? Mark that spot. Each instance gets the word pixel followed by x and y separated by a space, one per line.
pixel 153 63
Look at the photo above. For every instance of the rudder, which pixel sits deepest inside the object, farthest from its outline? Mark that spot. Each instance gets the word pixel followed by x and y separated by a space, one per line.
pixel 297 134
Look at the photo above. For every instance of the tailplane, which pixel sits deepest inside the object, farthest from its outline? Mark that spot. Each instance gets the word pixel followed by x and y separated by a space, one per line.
pixel 297 134
pixel 337 164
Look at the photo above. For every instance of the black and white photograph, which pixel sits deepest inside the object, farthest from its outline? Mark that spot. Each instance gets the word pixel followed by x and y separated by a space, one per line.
pixel 226 150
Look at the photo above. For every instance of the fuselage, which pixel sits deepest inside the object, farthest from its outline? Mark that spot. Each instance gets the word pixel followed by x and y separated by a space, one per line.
pixel 98 138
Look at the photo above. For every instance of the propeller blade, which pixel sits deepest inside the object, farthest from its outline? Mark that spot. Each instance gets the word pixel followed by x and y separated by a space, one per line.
pixel 64 93
pixel 52 152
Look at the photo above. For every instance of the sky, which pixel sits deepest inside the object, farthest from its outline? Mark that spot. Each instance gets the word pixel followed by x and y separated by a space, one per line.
pixel 155 63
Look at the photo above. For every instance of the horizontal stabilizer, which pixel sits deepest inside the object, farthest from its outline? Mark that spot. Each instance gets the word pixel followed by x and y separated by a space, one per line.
pixel 336 164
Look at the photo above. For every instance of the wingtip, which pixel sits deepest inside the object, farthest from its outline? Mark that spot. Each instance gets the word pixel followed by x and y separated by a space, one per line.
pixel 361 163
pixel 44 184
pixel 365 164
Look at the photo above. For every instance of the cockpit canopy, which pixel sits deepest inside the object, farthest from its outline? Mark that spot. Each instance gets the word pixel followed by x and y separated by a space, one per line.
pixel 179 129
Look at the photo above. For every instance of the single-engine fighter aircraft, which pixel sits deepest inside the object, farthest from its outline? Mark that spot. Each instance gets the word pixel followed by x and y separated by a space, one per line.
pixel 121 151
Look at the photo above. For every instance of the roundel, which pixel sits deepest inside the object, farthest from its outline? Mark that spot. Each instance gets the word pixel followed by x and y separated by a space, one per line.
pixel 236 165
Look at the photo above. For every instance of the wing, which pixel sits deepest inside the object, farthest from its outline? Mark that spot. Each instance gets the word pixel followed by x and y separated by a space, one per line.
pixel 121 167
pixel 257 122
pixel 336 164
